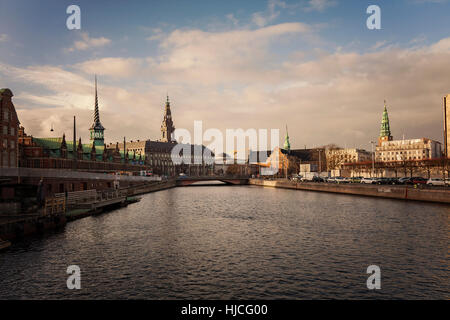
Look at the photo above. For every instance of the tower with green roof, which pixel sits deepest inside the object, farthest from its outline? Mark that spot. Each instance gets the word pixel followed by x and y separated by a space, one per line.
pixel 97 130
pixel 385 130
pixel 287 145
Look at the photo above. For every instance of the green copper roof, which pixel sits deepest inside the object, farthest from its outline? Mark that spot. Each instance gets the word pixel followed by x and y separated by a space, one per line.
pixel 385 130
pixel 53 145
pixel 287 145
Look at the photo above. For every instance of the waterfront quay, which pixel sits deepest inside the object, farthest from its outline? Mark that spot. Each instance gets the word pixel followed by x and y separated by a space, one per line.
pixel 23 214
pixel 401 192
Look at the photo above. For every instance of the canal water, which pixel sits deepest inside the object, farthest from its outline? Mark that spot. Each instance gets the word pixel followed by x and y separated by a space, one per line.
pixel 240 242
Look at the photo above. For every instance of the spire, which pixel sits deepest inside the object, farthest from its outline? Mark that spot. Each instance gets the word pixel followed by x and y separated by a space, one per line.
pixel 385 130
pixel 97 130
pixel 167 127
pixel 287 145
pixel 96 113
pixel 63 142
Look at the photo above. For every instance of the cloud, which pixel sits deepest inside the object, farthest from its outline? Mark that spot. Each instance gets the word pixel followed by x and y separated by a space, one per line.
pixel 219 57
pixel 261 19
pixel 115 67
pixel 4 37
pixel 157 34
pixel 87 42
pixel 230 79
pixel 319 5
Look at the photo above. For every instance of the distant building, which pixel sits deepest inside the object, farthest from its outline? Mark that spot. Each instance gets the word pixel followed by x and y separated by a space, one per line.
pixel 336 158
pixel 59 153
pixel 412 149
pixel 158 154
pixel 9 127
pixel 447 126
pixel 286 160
pixel 401 150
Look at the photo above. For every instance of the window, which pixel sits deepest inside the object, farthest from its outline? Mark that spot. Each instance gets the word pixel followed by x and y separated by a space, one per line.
pixel 12 131
pixel 5 130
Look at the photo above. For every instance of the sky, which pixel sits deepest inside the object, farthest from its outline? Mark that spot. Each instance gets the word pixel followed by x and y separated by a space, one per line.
pixel 312 65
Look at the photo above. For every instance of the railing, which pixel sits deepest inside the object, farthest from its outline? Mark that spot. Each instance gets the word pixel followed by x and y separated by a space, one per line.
pixel 85 198
pixel 68 174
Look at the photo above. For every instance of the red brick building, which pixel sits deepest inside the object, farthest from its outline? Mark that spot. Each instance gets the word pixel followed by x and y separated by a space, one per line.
pixel 9 126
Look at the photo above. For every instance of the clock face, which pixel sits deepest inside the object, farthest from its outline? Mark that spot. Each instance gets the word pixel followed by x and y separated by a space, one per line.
pixel 96 135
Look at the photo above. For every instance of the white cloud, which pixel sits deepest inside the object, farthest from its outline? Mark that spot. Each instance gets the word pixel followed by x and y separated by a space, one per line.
pixel 4 37
pixel 220 57
pixel 87 42
pixel 262 19
pixel 319 5
pixel 115 67
pixel 157 34
pixel 229 79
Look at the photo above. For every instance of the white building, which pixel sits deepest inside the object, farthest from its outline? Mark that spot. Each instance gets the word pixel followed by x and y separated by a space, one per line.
pixel 411 149
pixel 338 157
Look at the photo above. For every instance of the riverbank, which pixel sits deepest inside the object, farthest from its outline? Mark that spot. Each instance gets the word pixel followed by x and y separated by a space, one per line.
pixel 400 192
pixel 18 226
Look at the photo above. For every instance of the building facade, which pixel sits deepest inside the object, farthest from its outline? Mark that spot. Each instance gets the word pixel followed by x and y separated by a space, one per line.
pixel 158 154
pixel 412 149
pixel 446 126
pixel 9 127
pixel 336 158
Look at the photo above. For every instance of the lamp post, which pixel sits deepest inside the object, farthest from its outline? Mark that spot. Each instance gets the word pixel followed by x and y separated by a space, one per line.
pixel 373 159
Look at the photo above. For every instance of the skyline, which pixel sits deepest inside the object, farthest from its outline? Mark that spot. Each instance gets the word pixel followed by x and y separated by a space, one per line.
pixel 230 65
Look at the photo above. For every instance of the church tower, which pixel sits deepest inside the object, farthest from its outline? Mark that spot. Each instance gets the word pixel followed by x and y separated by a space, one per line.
pixel 287 145
pixel 385 131
pixel 97 136
pixel 167 128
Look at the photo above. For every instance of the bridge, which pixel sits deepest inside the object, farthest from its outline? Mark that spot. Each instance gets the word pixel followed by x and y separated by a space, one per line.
pixel 230 180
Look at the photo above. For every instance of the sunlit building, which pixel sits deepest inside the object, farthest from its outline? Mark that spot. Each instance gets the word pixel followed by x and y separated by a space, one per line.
pixel 9 127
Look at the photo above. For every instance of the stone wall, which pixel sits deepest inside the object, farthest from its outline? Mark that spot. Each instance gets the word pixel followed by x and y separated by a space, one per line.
pixel 381 191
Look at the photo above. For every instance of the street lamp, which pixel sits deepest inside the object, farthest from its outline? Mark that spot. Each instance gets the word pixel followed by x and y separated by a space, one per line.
pixel 373 159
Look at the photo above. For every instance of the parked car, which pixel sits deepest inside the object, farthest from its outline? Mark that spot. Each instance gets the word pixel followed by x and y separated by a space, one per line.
pixel 393 181
pixel 341 180
pixel 436 182
pixel 447 182
pixel 355 179
pixel 296 178
pixel 317 179
pixel 387 181
pixel 404 180
pixel 369 180
pixel 417 180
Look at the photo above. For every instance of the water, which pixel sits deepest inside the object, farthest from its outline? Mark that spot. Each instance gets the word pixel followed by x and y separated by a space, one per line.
pixel 240 242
